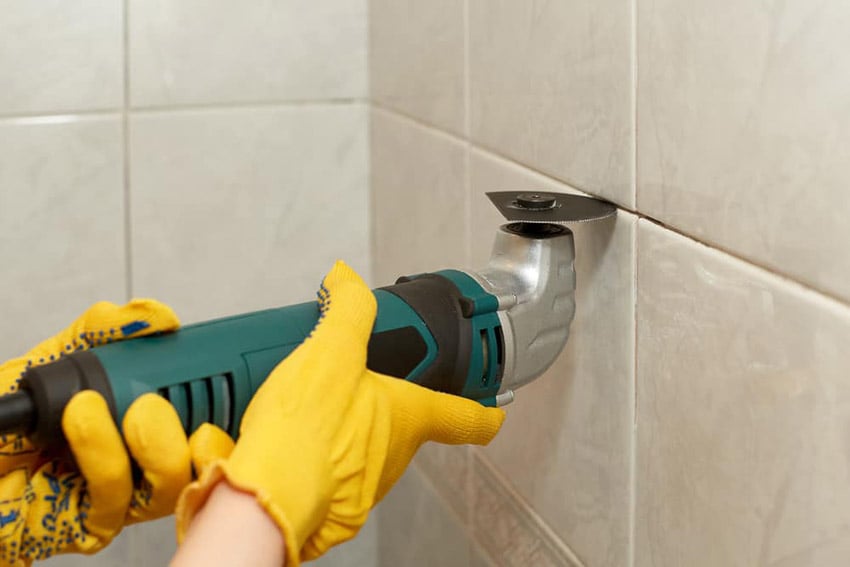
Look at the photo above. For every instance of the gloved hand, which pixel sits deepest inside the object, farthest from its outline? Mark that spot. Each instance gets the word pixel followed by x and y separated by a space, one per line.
pixel 324 438
pixel 52 502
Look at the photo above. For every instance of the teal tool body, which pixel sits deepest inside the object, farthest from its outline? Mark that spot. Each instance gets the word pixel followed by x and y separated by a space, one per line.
pixel 474 334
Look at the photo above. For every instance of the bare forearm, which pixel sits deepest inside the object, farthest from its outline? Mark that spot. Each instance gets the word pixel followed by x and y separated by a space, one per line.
pixel 232 530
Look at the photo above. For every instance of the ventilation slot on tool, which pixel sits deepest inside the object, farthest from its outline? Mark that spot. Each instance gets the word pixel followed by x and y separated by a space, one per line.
pixel 485 357
pixel 206 400
pixel 500 353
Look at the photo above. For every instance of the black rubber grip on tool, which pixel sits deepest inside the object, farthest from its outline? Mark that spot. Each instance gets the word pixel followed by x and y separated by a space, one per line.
pixel 17 413
pixel 396 352
pixel 53 385
pixel 439 303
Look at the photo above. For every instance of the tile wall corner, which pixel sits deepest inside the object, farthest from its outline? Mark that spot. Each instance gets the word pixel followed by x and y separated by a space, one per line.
pixel 417 62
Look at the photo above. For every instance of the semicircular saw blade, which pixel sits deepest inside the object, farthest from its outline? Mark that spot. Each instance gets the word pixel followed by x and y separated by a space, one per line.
pixel 545 207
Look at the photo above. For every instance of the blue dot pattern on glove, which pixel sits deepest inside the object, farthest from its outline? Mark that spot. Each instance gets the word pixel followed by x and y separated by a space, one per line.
pixel 51 515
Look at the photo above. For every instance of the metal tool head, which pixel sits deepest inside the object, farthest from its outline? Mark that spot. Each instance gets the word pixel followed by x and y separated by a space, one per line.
pixel 532 275
pixel 551 208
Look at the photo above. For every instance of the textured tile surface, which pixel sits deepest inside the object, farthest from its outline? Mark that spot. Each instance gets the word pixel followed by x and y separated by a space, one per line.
pixel 199 52
pixel 745 130
pixel 59 56
pixel 245 209
pixel 743 413
pixel 61 224
pixel 151 544
pixel 551 87
pixel 418 202
pixel 447 467
pixel 362 551
pixel 418 528
pixel 416 52
pixel 511 532
pixel 479 557
pixel 566 443
pixel 418 225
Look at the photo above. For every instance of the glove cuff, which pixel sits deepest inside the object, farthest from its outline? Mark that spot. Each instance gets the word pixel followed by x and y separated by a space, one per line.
pixel 196 494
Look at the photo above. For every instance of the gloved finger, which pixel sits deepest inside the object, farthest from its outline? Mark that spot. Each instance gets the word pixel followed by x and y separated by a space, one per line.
pixel 442 417
pixel 100 455
pixel 15 449
pixel 16 452
pixel 326 367
pixel 207 444
pixel 13 491
pixel 106 322
pixel 333 531
pixel 348 309
pixel 10 373
pixel 158 444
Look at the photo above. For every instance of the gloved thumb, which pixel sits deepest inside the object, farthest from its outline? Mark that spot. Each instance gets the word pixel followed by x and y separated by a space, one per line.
pixel 207 444
pixel 421 415
pixel 442 417
pixel 457 421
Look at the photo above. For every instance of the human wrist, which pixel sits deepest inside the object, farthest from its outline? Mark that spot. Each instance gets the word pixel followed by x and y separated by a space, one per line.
pixel 231 529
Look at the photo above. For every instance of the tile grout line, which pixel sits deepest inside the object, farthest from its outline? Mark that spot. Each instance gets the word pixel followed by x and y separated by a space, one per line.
pixel 127 108
pixel 367 102
pixel 133 543
pixel 441 497
pixel 128 243
pixel 505 492
pixel 467 68
pixel 512 498
pixel 433 128
pixel 257 104
pixel 843 303
pixel 467 108
pixel 633 433
pixel 469 479
pixel 634 109
pixel 47 114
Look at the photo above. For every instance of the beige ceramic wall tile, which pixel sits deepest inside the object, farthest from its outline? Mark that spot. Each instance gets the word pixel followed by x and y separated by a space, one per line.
pixel 743 406
pixel 447 467
pixel 243 209
pixel 416 52
pixel 419 225
pixel 745 130
pixel 202 52
pixel 419 220
pixel 479 557
pixel 61 224
pixel 151 544
pixel 551 87
pixel 58 56
pixel 416 527
pixel 566 443
pixel 512 534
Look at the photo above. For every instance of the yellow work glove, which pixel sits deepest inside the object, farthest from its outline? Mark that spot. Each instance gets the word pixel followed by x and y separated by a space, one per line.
pixel 52 501
pixel 324 439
